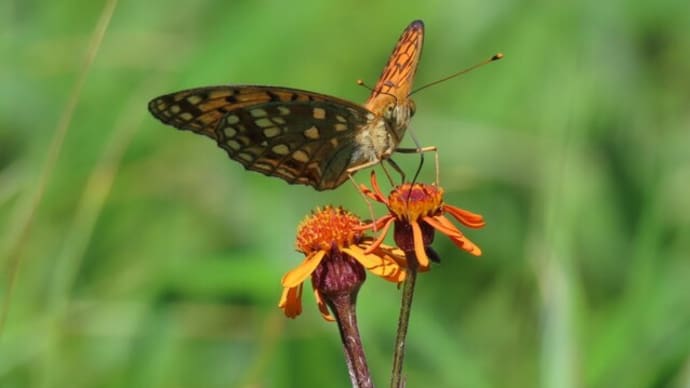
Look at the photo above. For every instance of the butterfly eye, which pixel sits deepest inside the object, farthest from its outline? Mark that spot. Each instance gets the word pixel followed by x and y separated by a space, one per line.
pixel 412 106
pixel 390 111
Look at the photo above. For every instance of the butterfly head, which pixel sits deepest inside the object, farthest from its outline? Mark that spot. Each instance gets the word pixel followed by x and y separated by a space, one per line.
pixel 395 111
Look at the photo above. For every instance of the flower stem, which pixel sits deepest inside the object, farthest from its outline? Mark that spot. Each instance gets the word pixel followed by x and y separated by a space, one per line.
pixel 397 380
pixel 343 307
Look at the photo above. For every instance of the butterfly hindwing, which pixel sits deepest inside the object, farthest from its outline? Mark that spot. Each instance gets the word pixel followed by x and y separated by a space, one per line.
pixel 301 137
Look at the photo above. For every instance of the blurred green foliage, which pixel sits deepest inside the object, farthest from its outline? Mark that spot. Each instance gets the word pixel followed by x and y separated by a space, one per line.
pixel 135 255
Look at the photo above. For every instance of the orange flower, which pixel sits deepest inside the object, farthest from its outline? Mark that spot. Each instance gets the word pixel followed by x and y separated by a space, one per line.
pixel 417 210
pixel 337 253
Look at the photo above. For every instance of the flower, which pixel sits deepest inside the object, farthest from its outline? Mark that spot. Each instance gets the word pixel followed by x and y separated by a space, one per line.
pixel 337 252
pixel 417 210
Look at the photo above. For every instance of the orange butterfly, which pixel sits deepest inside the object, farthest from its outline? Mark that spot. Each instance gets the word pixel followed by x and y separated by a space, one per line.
pixel 299 136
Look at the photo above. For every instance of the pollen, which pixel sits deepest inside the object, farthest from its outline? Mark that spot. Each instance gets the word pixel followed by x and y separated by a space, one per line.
pixel 411 202
pixel 327 228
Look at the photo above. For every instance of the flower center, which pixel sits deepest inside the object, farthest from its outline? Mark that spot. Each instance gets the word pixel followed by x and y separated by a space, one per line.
pixel 327 228
pixel 411 202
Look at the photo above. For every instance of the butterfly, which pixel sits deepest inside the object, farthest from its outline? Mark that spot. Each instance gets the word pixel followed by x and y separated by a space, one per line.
pixel 299 136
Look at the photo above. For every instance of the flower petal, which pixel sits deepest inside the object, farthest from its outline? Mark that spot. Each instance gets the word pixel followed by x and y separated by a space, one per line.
pixel 325 313
pixel 465 217
pixel 380 263
pixel 301 272
pixel 388 252
pixel 377 189
pixel 366 259
pixel 375 225
pixel 464 243
pixel 393 253
pixel 442 224
pixel 419 251
pixel 368 193
pixel 291 301
pixel 445 222
pixel 384 230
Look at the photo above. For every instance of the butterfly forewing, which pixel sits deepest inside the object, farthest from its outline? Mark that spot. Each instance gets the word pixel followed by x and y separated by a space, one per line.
pixel 398 74
pixel 299 136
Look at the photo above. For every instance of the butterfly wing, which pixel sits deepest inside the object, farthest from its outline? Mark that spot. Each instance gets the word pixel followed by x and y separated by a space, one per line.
pixel 398 74
pixel 298 136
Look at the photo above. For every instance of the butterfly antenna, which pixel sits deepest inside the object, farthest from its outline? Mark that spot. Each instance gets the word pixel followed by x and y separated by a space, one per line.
pixel 365 86
pixel 419 166
pixel 496 57
pixel 369 88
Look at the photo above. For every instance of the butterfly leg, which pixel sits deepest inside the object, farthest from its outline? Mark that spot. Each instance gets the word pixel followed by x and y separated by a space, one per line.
pixel 352 170
pixel 421 151
pixel 364 197
pixel 351 175
pixel 396 168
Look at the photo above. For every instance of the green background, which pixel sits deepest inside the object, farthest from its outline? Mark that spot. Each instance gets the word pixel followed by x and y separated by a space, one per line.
pixel 135 255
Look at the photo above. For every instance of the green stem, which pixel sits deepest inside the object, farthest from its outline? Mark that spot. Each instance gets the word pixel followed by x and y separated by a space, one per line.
pixel 397 380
